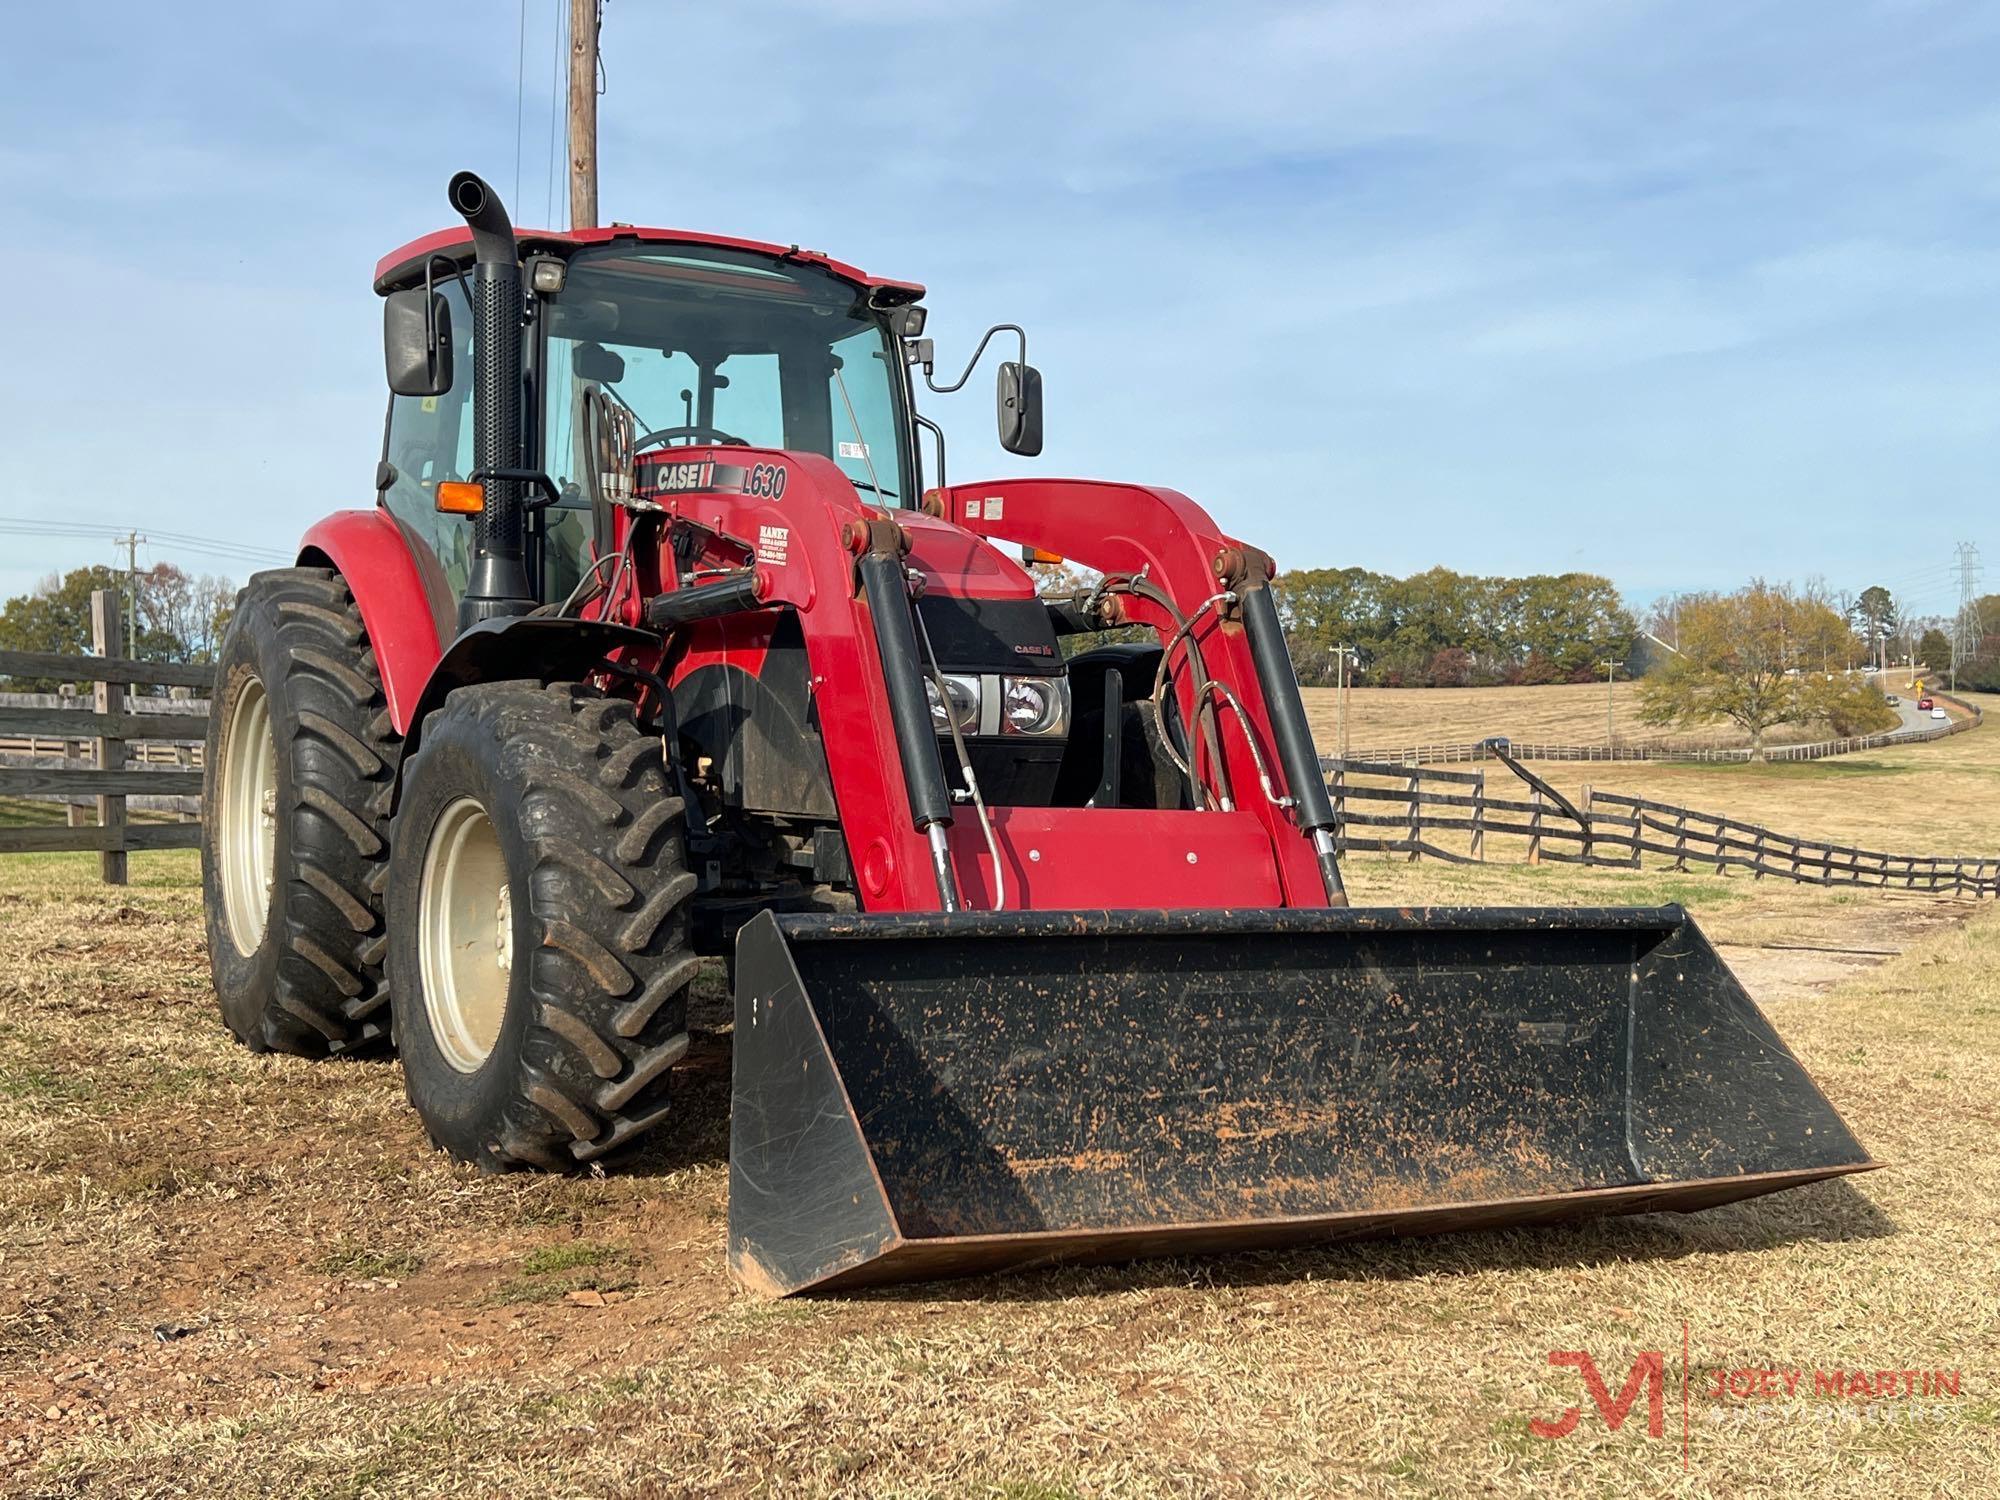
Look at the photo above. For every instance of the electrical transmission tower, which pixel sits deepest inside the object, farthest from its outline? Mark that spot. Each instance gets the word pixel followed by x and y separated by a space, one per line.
pixel 1967 633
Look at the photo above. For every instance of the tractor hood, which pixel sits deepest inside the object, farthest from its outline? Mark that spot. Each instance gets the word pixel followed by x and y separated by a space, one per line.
pixel 954 561
pixel 979 605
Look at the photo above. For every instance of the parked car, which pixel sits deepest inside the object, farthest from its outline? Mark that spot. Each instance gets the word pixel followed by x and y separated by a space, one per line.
pixel 1938 713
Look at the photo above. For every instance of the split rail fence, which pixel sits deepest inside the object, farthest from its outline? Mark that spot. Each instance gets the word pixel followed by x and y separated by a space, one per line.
pixel 1422 811
pixel 77 755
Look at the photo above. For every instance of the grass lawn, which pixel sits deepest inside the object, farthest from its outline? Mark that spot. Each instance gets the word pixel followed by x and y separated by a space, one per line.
pixel 235 1276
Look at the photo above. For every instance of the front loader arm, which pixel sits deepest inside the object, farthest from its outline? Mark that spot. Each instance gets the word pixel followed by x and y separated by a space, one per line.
pixel 1163 537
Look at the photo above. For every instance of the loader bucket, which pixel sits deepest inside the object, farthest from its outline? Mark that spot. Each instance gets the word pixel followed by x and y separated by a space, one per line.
pixel 925 1095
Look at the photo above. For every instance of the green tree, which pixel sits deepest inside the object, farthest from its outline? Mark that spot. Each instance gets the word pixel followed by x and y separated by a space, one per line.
pixel 180 617
pixel 1442 628
pixel 1934 649
pixel 1875 618
pixel 1753 658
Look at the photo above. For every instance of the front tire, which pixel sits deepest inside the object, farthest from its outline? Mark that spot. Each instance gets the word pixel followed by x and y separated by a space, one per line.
pixel 537 905
pixel 300 759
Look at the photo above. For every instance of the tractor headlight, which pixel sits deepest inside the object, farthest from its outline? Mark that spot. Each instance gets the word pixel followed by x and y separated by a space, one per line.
pixel 963 693
pixel 1034 705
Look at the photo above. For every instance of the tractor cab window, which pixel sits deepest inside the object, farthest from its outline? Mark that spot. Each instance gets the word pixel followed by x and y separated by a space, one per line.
pixel 717 346
pixel 430 440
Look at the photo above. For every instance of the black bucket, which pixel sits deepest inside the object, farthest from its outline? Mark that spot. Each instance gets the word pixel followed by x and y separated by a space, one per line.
pixel 925 1095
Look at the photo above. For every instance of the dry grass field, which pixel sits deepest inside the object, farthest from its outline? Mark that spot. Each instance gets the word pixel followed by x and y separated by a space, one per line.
pixel 1567 714
pixel 235 1276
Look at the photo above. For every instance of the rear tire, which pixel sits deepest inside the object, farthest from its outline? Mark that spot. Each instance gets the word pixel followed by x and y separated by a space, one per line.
pixel 300 759
pixel 538 907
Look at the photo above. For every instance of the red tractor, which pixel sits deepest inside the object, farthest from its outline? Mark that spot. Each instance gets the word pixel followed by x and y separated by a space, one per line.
pixel 658 643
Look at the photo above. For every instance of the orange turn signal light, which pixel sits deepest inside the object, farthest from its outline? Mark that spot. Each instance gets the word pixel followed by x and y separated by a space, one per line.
pixel 1032 556
pixel 460 497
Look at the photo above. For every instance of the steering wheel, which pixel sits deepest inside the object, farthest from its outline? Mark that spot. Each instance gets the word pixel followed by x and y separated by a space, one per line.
pixel 696 430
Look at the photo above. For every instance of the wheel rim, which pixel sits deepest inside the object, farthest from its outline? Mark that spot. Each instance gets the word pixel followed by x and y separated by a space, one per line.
pixel 465 935
pixel 248 818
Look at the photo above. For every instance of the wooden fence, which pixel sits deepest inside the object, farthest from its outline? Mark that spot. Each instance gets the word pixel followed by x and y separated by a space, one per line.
pixel 111 725
pixel 1408 809
pixel 1707 841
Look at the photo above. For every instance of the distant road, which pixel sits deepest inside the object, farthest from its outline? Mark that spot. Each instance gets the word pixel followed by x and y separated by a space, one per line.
pixel 1912 717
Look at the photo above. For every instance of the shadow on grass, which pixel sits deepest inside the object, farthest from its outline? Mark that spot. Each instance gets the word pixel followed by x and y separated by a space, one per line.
pixel 1834 1212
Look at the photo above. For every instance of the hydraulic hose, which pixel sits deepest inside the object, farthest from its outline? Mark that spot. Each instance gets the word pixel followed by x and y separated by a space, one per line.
pixel 1248 572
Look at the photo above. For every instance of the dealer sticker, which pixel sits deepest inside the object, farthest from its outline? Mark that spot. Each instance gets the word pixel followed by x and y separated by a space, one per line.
pixel 774 543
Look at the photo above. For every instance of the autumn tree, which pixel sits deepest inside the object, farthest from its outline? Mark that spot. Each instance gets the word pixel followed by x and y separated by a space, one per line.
pixel 1753 658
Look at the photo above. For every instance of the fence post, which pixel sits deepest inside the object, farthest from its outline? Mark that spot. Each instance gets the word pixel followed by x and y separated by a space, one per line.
pixel 1535 827
pixel 1589 830
pixel 1416 815
pixel 1680 841
pixel 1479 816
pixel 106 635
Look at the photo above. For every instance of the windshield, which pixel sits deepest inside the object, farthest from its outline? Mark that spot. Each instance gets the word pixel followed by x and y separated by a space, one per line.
pixel 711 345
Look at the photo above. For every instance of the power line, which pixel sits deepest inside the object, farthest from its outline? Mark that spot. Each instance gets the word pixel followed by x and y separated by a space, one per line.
pixel 558 110
pixel 98 531
pixel 520 78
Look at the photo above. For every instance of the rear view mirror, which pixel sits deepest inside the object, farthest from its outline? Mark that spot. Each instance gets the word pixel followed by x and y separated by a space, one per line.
pixel 416 342
pixel 1018 399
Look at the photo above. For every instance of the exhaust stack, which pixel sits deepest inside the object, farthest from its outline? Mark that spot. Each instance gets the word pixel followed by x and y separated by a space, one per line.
pixel 499 581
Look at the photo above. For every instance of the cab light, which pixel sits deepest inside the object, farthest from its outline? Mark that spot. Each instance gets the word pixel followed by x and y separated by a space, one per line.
pixel 461 497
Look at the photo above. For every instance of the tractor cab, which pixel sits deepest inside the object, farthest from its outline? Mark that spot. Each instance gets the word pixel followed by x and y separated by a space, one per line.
pixel 706 342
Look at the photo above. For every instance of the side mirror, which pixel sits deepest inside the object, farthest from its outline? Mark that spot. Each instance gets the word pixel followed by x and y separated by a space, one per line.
pixel 416 342
pixel 1018 400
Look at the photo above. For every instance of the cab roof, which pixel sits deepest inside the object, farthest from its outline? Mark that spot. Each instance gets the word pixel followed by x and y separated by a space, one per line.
pixel 405 267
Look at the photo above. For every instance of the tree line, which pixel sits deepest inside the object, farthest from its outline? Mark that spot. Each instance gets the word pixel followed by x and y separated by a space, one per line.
pixel 177 616
pixel 1445 629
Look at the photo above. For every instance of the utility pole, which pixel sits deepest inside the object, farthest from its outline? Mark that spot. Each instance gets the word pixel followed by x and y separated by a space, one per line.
pixel 585 16
pixel 1610 671
pixel 130 542
pixel 1341 654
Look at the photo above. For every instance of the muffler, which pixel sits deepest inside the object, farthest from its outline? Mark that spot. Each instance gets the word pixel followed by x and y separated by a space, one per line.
pixel 931 1095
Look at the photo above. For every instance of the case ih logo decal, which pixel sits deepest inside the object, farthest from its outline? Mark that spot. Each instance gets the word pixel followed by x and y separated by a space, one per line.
pixel 766 481
pixel 672 479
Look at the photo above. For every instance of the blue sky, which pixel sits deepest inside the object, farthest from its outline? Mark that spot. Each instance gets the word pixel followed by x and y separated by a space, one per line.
pixel 1677 293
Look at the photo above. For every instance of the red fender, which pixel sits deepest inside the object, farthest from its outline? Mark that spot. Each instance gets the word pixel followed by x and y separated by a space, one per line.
pixel 408 616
